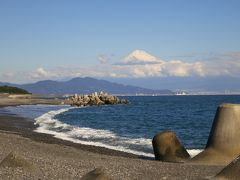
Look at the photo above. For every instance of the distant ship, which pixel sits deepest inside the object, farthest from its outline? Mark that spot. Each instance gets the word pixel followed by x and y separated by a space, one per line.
pixel 181 93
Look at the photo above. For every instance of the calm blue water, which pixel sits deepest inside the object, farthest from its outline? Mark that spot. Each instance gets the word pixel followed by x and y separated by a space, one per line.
pixel 131 127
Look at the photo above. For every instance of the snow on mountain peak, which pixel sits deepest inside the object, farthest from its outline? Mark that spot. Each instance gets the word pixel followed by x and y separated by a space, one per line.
pixel 140 57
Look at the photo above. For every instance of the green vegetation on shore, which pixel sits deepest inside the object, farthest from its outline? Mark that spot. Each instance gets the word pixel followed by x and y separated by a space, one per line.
pixel 12 90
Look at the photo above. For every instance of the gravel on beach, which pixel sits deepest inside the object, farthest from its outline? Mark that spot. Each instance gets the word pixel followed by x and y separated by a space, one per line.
pixel 45 157
pixel 25 154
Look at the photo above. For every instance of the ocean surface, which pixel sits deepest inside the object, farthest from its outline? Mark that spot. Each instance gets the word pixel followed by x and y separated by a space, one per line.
pixel 130 128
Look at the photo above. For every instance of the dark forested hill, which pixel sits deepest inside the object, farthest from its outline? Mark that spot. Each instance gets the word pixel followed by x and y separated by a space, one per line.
pixel 12 90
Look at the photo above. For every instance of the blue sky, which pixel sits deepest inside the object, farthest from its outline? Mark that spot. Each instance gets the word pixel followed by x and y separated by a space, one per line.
pixel 41 39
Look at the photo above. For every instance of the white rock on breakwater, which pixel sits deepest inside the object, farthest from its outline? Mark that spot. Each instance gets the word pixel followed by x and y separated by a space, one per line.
pixel 95 99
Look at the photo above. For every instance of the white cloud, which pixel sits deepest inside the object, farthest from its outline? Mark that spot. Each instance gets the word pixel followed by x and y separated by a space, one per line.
pixel 8 75
pixel 138 65
pixel 182 69
pixel 41 72
pixel 142 64
pixel 223 64
pixel 102 58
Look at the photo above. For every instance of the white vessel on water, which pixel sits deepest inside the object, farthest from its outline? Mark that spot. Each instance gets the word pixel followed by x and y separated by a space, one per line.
pixel 181 93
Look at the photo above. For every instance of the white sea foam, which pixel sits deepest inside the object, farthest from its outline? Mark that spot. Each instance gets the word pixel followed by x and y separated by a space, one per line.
pixel 95 137
pixel 194 152
pixel 48 124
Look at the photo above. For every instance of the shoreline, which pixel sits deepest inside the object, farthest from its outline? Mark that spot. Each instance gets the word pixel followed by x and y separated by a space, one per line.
pixel 17 136
pixel 104 148
pixel 25 127
pixel 12 123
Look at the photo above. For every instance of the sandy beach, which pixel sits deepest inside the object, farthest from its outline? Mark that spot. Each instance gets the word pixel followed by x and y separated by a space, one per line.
pixel 45 157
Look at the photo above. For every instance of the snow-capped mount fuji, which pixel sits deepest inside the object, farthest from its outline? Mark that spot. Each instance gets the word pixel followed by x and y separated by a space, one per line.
pixel 140 57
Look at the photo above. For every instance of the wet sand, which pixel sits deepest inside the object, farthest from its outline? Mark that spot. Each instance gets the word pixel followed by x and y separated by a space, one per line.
pixel 46 157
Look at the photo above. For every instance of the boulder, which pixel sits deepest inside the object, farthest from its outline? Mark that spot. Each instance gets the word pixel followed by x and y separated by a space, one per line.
pixel 231 171
pixel 96 174
pixel 167 147
pixel 110 100
pixel 124 101
pixel 86 99
pixel 224 139
pixel 98 101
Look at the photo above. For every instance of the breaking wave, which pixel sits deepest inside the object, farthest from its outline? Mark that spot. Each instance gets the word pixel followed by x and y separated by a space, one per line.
pixel 47 123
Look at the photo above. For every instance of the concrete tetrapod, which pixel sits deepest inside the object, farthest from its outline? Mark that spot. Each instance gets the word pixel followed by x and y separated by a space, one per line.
pixel 15 161
pixel 224 140
pixel 231 171
pixel 167 147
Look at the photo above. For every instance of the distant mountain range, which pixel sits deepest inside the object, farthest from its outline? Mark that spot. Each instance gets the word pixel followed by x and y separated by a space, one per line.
pixel 85 86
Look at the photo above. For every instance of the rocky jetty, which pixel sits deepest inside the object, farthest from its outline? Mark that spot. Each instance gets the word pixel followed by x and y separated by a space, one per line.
pixel 95 99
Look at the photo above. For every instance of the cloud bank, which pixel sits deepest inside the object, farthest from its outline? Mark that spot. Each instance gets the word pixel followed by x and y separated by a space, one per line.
pixel 139 64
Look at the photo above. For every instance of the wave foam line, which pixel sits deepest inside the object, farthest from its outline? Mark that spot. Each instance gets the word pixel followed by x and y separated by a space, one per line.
pixel 194 152
pixel 49 125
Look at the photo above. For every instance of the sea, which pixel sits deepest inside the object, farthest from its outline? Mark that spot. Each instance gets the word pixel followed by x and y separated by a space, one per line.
pixel 130 128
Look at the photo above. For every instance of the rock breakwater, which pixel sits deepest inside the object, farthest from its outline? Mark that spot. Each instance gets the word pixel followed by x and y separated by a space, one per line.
pixel 95 99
